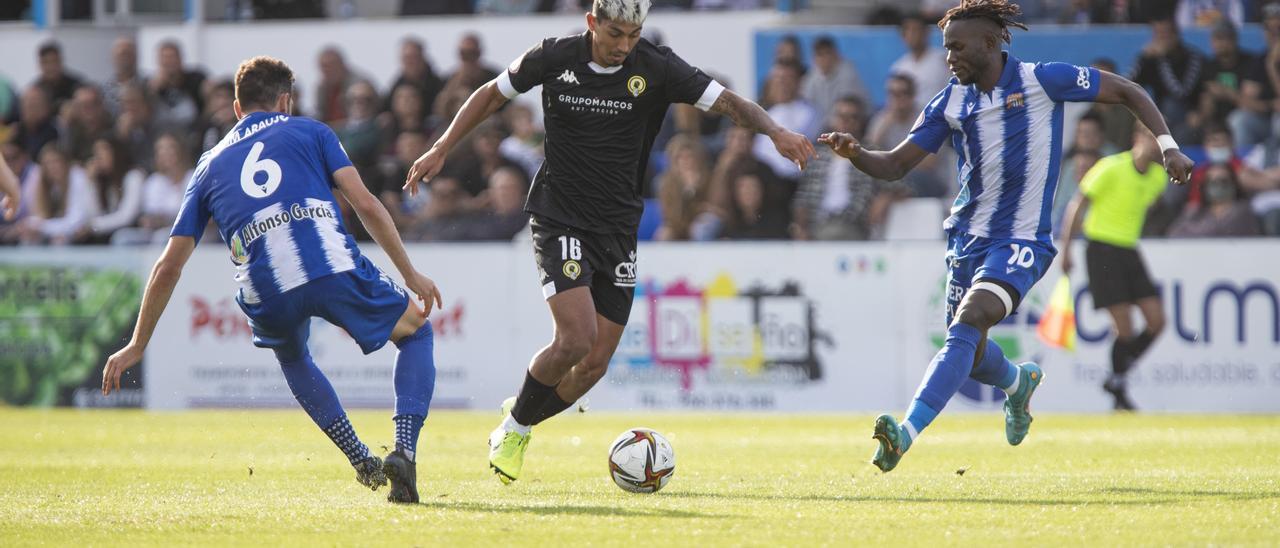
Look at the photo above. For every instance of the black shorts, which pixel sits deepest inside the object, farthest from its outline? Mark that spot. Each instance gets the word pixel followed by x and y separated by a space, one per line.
pixel 569 258
pixel 1116 275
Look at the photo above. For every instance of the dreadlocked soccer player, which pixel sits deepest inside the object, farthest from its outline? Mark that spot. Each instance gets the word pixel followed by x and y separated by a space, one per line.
pixel 1004 118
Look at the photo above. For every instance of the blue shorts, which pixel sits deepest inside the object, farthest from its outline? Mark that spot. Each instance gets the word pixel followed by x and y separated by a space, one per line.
pixel 363 301
pixel 1008 268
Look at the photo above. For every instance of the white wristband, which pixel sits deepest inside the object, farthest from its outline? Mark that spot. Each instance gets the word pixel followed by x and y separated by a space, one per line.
pixel 1166 142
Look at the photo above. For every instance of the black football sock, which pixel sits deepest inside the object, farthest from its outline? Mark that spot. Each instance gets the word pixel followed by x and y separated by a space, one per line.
pixel 1139 345
pixel 1120 360
pixel 552 407
pixel 532 398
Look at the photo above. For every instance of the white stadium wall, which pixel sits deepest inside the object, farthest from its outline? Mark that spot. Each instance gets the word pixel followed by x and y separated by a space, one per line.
pixel 786 327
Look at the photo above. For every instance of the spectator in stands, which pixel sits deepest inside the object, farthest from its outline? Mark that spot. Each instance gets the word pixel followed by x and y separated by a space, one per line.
pixel 219 115
pixel 163 190
pixel 791 111
pixel 926 65
pixel 472 71
pixel 407 113
pixel 474 170
pixel 836 201
pixel 392 171
pixel 54 78
pixel 175 90
pixel 504 216
pixel 1223 97
pixel 84 120
pixel 1208 13
pixel 415 69
pixel 116 187
pixel 891 125
pixel 62 202
pixel 683 192
pixel 1174 72
pixel 445 217
pixel 524 145
pixel 28 175
pixel 124 60
pixel 787 52
pixel 736 159
pixel 832 78
pixel 36 127
pixel 335 79
pixel 360 134
pixel 1117 121
pixel 751 217
pixel 1089 142
pixel 1224 212
pixel 1259 120
pixel 134 125
pixel 1261 178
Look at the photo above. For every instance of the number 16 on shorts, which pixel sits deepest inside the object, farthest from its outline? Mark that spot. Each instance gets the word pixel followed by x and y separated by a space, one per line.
pixel 570 254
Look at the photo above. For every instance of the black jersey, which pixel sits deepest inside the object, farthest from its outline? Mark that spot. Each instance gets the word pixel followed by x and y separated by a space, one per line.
pixel 600 123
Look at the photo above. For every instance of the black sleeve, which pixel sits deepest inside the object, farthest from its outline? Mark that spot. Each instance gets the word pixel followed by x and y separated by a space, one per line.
pixel 526 72
pixel 684 83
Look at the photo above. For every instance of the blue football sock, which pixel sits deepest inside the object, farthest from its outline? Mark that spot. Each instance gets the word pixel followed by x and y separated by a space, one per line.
pixel 415 382
pixel 950 368
pixel 995 369
pixel 318 399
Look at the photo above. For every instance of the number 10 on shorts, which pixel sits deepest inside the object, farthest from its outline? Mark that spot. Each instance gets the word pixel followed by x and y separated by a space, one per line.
pixel 570 248
pixel 1022 256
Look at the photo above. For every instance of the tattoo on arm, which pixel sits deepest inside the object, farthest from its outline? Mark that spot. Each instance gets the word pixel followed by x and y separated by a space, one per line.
pixel 743 112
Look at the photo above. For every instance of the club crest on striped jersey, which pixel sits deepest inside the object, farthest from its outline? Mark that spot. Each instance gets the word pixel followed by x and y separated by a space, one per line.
pixel 1015 100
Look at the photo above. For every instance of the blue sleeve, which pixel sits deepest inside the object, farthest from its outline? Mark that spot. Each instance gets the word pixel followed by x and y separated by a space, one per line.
pixel 932 129
pixel 194 215
pixel 331 151
pixel 1067 82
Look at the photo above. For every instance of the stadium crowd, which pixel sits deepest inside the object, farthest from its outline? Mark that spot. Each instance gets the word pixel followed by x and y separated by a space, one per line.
pixel 107 162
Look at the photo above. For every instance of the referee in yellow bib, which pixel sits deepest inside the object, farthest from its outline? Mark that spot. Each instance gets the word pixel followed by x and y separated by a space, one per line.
pixel 1112 201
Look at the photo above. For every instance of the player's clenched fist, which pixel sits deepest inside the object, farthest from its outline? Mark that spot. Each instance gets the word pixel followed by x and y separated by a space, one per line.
pixel 1178 166
pixel 116 365
pixel 841 143
pixel 427 166
pixel 426 291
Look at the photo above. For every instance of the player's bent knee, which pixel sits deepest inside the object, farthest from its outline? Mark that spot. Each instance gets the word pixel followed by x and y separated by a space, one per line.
pixel 570 349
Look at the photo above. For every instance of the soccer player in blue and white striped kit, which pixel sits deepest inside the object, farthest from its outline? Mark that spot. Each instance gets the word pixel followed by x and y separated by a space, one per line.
pixel 269 186
pixel 1004 118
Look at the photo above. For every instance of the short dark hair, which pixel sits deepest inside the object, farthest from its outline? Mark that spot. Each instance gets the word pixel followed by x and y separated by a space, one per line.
pixel 854 100
pixel 824 42
pixel 906 79
pixel 1092 116
pixel 50 46
pixel 260 80
pixel 917 17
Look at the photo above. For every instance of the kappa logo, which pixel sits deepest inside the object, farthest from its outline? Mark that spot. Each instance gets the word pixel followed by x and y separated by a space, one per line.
pixel 568 77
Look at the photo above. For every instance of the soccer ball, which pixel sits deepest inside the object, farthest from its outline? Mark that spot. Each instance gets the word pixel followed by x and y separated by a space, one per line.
pixel 641 461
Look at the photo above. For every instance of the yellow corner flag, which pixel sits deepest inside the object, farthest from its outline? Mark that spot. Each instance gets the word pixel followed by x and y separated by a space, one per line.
pixel 1058 324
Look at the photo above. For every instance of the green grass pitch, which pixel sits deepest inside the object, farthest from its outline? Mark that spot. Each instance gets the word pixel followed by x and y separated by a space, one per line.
pixel 271 478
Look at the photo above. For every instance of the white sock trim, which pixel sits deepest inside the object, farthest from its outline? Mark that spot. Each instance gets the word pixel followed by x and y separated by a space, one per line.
pixel 510 425
pixel 911 430
pixel 1017 381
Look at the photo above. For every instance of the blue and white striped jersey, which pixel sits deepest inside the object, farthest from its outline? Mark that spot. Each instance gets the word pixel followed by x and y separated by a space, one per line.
pixel 268 185
pixel 1009 143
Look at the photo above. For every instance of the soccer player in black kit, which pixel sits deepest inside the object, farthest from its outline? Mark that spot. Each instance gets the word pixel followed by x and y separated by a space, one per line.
pixel 604 95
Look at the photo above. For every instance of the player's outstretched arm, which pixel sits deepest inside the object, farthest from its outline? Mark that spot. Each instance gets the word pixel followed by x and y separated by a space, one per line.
pixel 10 192
pixel 791 145
pixel 377 220
pixel 482 103
pixel 1118 90
pixel 164 276
pixel 886 165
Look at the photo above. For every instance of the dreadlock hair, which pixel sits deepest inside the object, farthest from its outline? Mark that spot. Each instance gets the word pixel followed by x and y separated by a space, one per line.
pixel 1000 12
